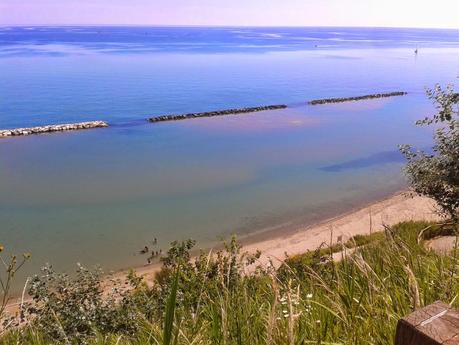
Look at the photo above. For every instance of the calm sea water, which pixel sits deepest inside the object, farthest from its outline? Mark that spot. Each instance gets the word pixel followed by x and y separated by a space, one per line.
pixel 99 196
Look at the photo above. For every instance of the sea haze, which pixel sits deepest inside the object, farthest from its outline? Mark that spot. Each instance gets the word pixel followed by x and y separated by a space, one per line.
pixel 98 196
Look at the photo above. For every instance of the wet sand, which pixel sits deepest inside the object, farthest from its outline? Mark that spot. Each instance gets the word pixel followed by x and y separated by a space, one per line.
pixel 372 218
pixel 275 246
pixel 397 208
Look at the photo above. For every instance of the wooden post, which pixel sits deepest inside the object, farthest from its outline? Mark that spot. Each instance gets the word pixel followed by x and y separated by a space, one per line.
pixel 436 324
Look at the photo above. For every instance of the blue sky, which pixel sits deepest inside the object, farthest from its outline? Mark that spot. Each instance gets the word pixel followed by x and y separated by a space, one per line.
pixel 389 13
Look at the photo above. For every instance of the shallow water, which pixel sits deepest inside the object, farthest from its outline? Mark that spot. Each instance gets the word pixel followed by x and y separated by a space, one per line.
pixel 98 196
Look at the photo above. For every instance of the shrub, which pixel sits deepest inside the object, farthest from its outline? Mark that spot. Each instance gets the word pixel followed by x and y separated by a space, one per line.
pixel 220 298
pixel 436 174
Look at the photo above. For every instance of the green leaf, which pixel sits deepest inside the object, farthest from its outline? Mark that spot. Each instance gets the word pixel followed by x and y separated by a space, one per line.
pixel 170 310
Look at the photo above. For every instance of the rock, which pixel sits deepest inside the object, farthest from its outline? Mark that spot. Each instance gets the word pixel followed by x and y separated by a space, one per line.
pixel 176 117
pixel 52 128
pixel 358 98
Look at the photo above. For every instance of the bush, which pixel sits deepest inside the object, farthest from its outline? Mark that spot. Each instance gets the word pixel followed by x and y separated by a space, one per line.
pixel 221 299
pixel 67 308
pixel 436 174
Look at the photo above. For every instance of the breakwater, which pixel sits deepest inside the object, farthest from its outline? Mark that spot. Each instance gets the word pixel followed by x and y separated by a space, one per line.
pixel 358 98
pixel 177 117
pixel 52 128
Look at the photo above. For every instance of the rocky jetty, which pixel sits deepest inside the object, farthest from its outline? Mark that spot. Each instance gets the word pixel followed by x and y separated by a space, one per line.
pixel 51 128
pixel 358 98
pixel 215 113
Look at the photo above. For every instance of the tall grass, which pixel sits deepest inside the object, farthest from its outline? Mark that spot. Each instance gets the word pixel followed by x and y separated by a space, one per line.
pixel 309 300
pixel 170 311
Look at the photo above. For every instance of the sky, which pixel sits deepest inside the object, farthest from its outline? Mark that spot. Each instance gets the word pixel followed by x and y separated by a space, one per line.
pixel 373 13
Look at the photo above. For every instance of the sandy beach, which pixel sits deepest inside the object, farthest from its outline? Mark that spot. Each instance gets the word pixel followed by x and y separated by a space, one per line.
pixel 398 208
pixel 371 218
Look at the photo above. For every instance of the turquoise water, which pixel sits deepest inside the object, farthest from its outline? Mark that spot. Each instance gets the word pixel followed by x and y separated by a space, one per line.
pixel 98 196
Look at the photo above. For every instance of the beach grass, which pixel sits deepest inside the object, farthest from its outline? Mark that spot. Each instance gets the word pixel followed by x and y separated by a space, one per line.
pixel 219 298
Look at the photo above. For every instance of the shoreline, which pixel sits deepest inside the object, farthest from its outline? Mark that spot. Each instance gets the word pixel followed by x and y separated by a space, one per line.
pixel 361 221
pixel 274 244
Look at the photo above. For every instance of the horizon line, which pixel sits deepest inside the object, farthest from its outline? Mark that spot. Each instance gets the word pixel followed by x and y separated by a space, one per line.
pixel 232 26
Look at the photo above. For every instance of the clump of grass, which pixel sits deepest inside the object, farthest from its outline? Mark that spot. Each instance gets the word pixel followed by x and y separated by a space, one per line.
pixel 10 266
pixel 213 300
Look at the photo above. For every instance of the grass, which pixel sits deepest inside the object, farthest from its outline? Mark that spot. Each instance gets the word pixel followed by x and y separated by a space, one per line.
pixel 309 300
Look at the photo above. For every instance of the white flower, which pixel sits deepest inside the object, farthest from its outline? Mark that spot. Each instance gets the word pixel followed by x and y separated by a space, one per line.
pixel 309 295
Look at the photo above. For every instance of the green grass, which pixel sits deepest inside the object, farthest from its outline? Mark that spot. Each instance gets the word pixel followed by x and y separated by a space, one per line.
pixel 309 300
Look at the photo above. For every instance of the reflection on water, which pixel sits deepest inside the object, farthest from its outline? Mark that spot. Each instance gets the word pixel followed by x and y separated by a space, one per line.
pixel 98 196
pixel 53 75
pixel 365 162
pixel 87 195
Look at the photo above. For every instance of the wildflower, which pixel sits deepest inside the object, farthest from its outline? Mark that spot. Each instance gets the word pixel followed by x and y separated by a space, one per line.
pixel 309 295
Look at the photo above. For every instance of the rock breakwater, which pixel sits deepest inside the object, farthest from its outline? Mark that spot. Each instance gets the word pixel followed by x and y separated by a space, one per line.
pixel 358 98
pixel 52 128
pixel 176 117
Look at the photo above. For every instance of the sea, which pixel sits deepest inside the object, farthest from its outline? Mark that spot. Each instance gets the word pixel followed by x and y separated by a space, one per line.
pixel 97 197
